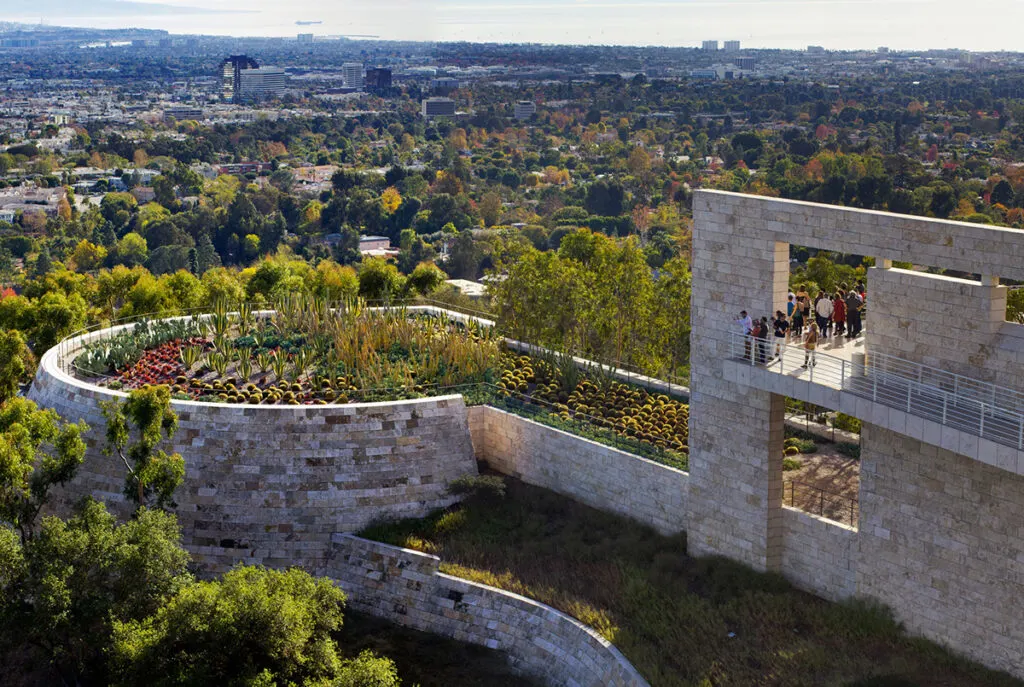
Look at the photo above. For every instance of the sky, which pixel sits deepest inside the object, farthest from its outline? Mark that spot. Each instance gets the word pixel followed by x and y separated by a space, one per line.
pixel 983 25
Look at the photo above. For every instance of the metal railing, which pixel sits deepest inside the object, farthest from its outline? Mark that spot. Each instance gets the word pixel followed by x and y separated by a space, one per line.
pixel 979 408
pixel 817 501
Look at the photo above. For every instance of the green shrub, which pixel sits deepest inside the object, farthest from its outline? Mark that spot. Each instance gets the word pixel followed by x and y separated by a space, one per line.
pixel 849 450
pixel 789 464
pixel 806 446
pixel 478 485
pixel 846 423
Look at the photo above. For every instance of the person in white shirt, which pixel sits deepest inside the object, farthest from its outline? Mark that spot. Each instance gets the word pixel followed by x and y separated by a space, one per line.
pixel 823 314
pixel 745 325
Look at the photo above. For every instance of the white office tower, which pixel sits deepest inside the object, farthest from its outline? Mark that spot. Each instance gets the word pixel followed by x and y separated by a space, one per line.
pixel 352 75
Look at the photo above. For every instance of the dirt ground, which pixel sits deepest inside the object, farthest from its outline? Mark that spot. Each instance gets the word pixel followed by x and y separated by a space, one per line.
pixel 826 484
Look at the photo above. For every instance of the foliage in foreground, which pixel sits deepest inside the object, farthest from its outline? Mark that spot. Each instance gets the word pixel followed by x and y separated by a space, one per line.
pixel 681 621
pixel 251 627
pixel 98 602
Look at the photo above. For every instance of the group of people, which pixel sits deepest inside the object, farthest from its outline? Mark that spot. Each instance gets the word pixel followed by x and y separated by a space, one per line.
pixel 837 314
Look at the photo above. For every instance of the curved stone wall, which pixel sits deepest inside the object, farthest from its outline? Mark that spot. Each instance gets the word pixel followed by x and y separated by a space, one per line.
pixel 271 484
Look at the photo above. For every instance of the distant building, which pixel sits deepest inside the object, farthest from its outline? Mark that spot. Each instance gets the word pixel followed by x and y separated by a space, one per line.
pixel 231 70
pixel 437 107
pixel 352 75
pixel 708 74
pixel 183 112
pixel 883 50
pixel 305 38
pixel 444 83
pixel 732 46
pixel 263 83
pixel 525 109
pixel 746 62
pixel 709 46
pixel 815 50
pixel 378 79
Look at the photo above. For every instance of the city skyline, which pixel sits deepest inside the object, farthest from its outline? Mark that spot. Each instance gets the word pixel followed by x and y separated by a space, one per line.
pixel 785 24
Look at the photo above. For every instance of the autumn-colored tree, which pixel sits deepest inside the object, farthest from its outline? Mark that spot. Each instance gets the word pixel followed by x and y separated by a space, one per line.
pixel 88 256
pixel 391 199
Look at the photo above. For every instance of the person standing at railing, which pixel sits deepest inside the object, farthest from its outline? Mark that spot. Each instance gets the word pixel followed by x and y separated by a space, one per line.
pixel 744 325
pixel 762 341
pixel 781 327
pixel 810 345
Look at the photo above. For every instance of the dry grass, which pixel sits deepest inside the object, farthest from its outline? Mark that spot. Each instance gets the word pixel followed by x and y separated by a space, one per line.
pixel 681 621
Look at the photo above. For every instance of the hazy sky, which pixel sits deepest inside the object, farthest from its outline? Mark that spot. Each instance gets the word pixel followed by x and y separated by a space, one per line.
pixel 840 24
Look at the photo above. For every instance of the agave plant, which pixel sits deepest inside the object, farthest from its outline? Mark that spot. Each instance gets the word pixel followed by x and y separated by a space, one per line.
pixel 220 320
pixel 190 355
pixel 264 361
pixel 219 362
pixel 244 366
pixel 279 363
pixel 245 318
pixel 301 362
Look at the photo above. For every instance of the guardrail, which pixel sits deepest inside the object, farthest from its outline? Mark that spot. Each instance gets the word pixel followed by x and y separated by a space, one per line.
pixel 979 408
pixel 817 501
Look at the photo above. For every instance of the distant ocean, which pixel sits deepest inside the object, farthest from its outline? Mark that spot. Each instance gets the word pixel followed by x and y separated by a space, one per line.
pixel 836 24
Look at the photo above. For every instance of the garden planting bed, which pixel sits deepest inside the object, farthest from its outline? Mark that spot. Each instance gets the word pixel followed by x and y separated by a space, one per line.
pixel 308 353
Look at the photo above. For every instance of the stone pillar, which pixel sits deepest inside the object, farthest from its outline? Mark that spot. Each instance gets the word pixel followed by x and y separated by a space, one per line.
pixel 736 433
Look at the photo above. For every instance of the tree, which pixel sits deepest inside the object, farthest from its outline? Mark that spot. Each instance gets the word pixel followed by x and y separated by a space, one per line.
pixel 151 472
pixel 77 578
pixel 1002 193
pixel 605 198
pixel 88 256
pixel 380 281
pixel 253 627
pixel 391 200
pixel 15 363
pixel 426 277
pixel 490 208
pixel 37 451
pixel 131 250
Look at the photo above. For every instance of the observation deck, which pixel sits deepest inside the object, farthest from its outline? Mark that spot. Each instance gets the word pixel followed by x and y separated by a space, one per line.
pixel 970 417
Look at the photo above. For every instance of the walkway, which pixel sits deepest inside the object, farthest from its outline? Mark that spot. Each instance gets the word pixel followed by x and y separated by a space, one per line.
pixel 968 405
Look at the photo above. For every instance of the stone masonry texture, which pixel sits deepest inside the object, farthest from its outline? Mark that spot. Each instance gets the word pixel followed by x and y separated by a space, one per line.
pixel 597 475
pixel 939 539
pixel 270 485
pixel 405 587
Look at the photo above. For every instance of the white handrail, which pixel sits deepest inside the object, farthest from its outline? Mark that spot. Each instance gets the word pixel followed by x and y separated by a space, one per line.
pixel 970 405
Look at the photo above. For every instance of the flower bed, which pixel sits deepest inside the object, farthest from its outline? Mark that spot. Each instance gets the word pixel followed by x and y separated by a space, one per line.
pixel 306 353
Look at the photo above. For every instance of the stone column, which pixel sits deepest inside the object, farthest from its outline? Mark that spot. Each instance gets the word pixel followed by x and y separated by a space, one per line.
pixel 736 433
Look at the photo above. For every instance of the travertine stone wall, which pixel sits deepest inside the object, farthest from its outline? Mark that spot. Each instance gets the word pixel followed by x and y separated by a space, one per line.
pixel 592 473
pixel 819 556
pixel 405 587
pixel 736 434
pixel 956 325
pixel 939 538
pixel 270 485
pixel 941 543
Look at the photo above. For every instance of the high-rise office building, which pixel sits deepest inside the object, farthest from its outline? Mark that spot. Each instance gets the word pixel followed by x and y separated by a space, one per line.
pixel 231 70
pixel 709 46
pixel 305 38
pixel 732 46
pixel 263 83
pixel 378 79
pixel 352 75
